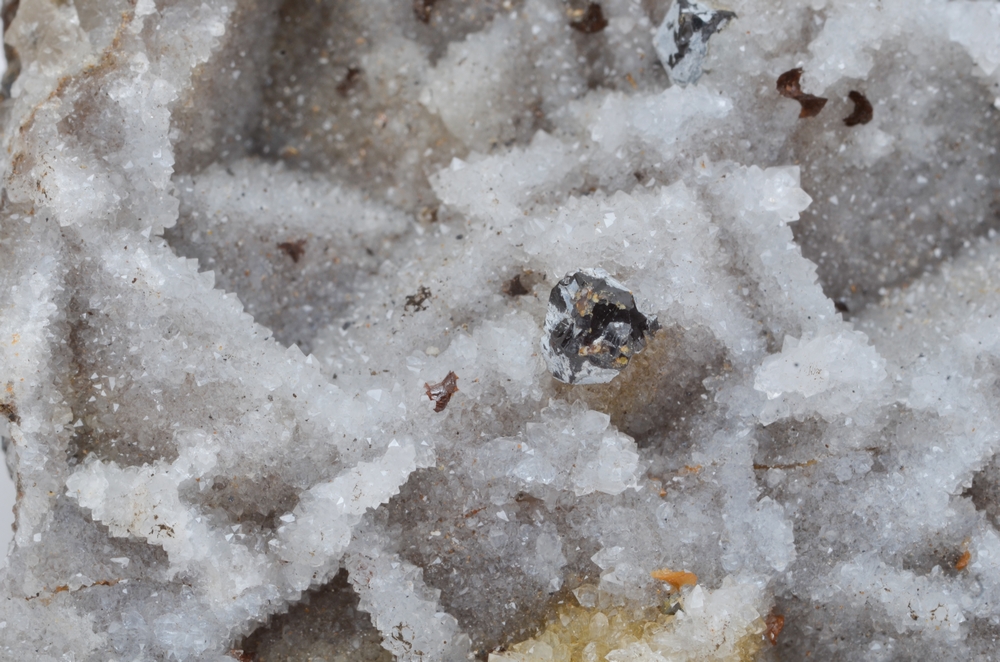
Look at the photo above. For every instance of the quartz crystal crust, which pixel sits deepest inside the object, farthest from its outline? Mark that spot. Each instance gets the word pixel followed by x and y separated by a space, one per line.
pixel 275 277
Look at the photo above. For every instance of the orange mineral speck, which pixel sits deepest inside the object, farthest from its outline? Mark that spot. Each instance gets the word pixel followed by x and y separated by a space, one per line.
pixel 676 578
pixel 16 339
pixel 963 560
pixel 775 624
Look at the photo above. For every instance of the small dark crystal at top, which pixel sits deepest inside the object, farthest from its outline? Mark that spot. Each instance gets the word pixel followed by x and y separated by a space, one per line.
pixel 592 328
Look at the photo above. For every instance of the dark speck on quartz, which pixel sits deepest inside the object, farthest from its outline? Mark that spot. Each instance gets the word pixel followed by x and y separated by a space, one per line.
pixel 591 20
pixel 863 111
pixel 788 86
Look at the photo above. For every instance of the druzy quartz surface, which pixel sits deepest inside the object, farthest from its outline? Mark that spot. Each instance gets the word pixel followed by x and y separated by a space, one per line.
pixel 275 277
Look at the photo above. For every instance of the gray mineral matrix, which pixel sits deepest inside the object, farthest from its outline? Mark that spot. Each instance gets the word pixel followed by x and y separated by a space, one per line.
pixel 271 304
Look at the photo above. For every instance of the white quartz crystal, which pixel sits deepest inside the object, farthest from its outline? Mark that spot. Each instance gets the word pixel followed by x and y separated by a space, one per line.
pixel 273 283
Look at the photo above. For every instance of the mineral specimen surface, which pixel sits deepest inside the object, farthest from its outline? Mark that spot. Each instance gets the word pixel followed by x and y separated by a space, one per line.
pixel 682 39
pixel 592 328
pixel 274 275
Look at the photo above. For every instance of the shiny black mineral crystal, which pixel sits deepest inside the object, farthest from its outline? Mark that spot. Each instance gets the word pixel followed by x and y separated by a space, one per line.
pixel 592 328
pixel 681 41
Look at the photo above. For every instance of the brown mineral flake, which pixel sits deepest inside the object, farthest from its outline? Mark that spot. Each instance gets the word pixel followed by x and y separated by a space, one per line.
pixel 788 83
pixel 294 249
pixel 441 392
pixel 788 86
pixel 863 110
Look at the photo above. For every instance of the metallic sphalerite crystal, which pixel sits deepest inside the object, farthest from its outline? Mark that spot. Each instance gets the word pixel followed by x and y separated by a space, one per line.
pixel 592 328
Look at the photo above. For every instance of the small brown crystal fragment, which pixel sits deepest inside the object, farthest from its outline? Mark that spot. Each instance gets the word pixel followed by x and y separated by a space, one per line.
pixel 775 623
pixel 591 20
pixel 863 110
pixel 788 86
pixel 788 83
pixel 294 249
pixel 441 392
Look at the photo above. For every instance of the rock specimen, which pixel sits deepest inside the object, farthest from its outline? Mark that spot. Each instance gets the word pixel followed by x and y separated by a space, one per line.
pixel 271 294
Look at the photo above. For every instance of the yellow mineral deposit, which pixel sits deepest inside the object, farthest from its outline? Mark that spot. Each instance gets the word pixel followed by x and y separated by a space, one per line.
pixel 676 578
pixel 632 633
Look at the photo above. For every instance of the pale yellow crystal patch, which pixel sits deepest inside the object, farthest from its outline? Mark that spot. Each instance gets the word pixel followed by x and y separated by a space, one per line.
pixel 709 629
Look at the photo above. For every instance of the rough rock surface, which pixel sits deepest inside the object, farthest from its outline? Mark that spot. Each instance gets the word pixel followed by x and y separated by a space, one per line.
pixel 242 240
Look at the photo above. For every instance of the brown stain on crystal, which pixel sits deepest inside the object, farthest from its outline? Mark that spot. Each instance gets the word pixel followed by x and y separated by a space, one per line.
pixel 9 411
pixel 89 73
pixel 46 595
